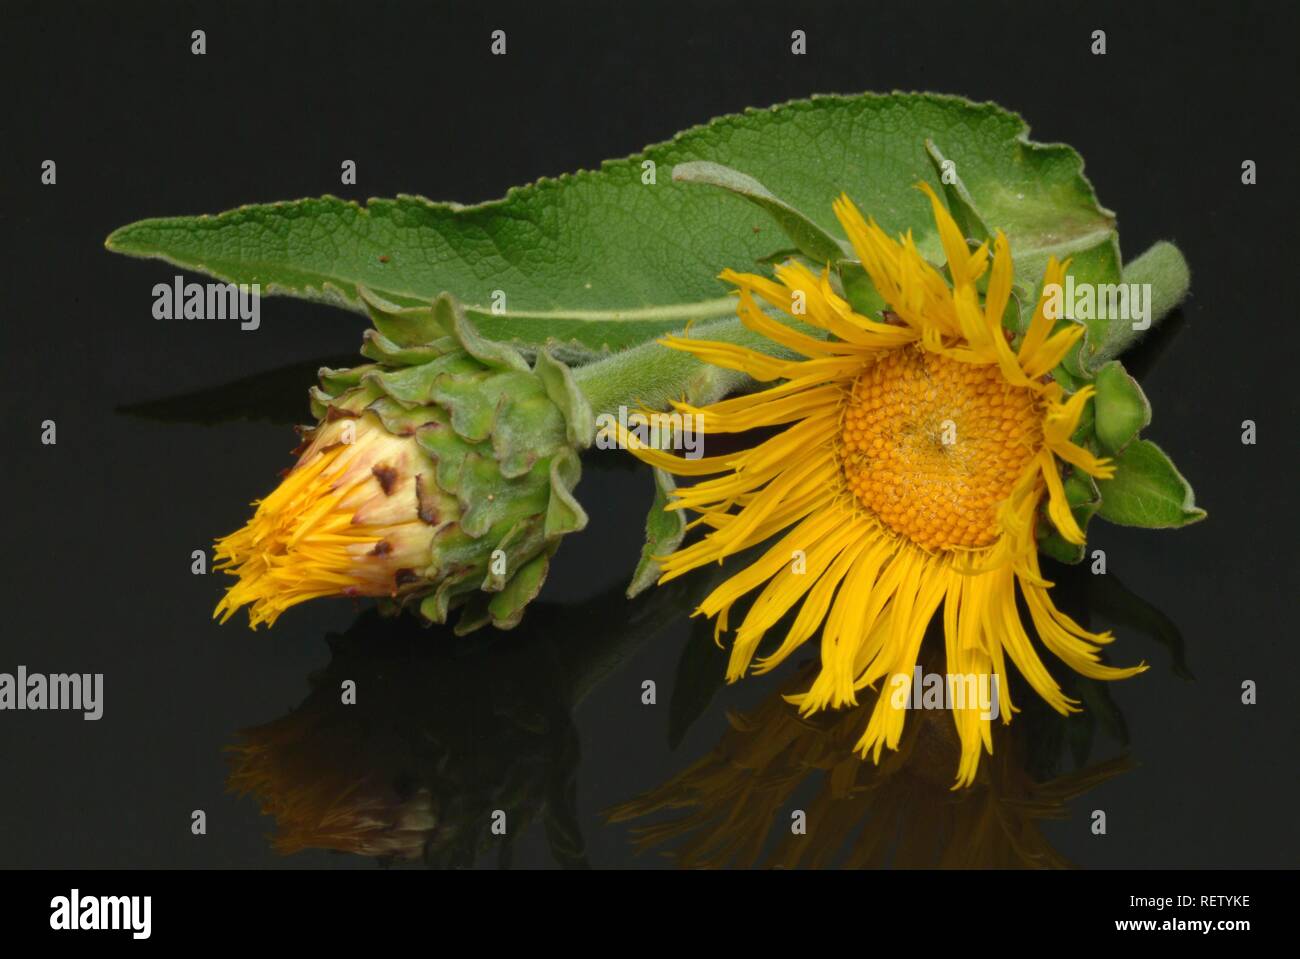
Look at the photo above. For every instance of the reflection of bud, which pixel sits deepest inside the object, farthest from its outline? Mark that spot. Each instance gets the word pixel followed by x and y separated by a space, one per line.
pixel 338 804
pixel 442 735
pixel 441 473
pixel 415 767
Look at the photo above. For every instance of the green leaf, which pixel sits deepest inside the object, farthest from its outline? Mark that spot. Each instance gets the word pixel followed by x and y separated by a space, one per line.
pixel 859 290
pixel 602 259
pixel 664 529
pixel 809 239
pixel 1120 407
pixel 506 608
pixel 960 203
pixel 1082 494
pixel 1148 491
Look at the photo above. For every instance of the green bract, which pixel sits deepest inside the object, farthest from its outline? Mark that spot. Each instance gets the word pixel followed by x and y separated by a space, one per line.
pixel 501 440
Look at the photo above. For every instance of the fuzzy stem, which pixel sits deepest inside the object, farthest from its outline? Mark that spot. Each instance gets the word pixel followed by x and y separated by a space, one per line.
pixel 655 375
pixel 1164 267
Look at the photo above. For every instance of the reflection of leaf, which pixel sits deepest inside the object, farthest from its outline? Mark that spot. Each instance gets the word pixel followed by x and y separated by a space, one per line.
pixel 614 257
pixel 1079 729
pixel 700 674
pixel 1098 702
pixel 1109 597
pixel 275 396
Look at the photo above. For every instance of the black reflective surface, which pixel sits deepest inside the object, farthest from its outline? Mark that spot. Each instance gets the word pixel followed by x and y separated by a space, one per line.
pixel 166 429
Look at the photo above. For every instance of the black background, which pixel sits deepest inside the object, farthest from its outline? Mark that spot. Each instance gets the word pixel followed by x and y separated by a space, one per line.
pixel 99 529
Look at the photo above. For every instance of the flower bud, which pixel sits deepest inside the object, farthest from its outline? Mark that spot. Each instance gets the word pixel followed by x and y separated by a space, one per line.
pixel 439 475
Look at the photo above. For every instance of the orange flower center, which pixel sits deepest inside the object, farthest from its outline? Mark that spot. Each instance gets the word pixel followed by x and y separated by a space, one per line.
pixel 932 446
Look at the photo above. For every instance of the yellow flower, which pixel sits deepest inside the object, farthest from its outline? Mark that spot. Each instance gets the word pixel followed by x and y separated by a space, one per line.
pixel 916 451
pixel 344 522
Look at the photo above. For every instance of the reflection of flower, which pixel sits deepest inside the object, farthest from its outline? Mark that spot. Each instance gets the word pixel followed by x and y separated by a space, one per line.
pixel 340 804
pixel 734 804
pixel 916 452
pixel 440 736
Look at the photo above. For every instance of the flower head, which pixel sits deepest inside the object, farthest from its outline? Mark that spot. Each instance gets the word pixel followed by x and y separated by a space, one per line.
pixel 441 474
pixel 346 521
pixel 916 449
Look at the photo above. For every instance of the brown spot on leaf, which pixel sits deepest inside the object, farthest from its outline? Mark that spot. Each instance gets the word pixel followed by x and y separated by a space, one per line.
pixel 404 577
pixel 382 548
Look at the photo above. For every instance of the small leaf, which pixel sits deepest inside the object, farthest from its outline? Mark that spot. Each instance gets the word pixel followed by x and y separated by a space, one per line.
pixel 403 325
pixel 449 315
pixel 810 239
pixel 960 203
pixel 506 608
pixel 564 514
pixel 563 390
pixel 859 290
pixel 1084 499
pixel 1148 491
pixel 1121 408
pixel 664 530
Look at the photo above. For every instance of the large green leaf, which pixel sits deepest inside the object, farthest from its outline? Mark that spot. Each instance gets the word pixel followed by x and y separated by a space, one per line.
pixel 602 259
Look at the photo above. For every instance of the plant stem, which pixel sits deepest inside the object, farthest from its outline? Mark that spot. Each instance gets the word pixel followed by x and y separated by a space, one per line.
pixel 1165 269
pixel 654 375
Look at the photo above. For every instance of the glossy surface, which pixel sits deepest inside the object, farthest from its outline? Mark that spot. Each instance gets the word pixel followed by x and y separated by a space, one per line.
pixel 166 429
